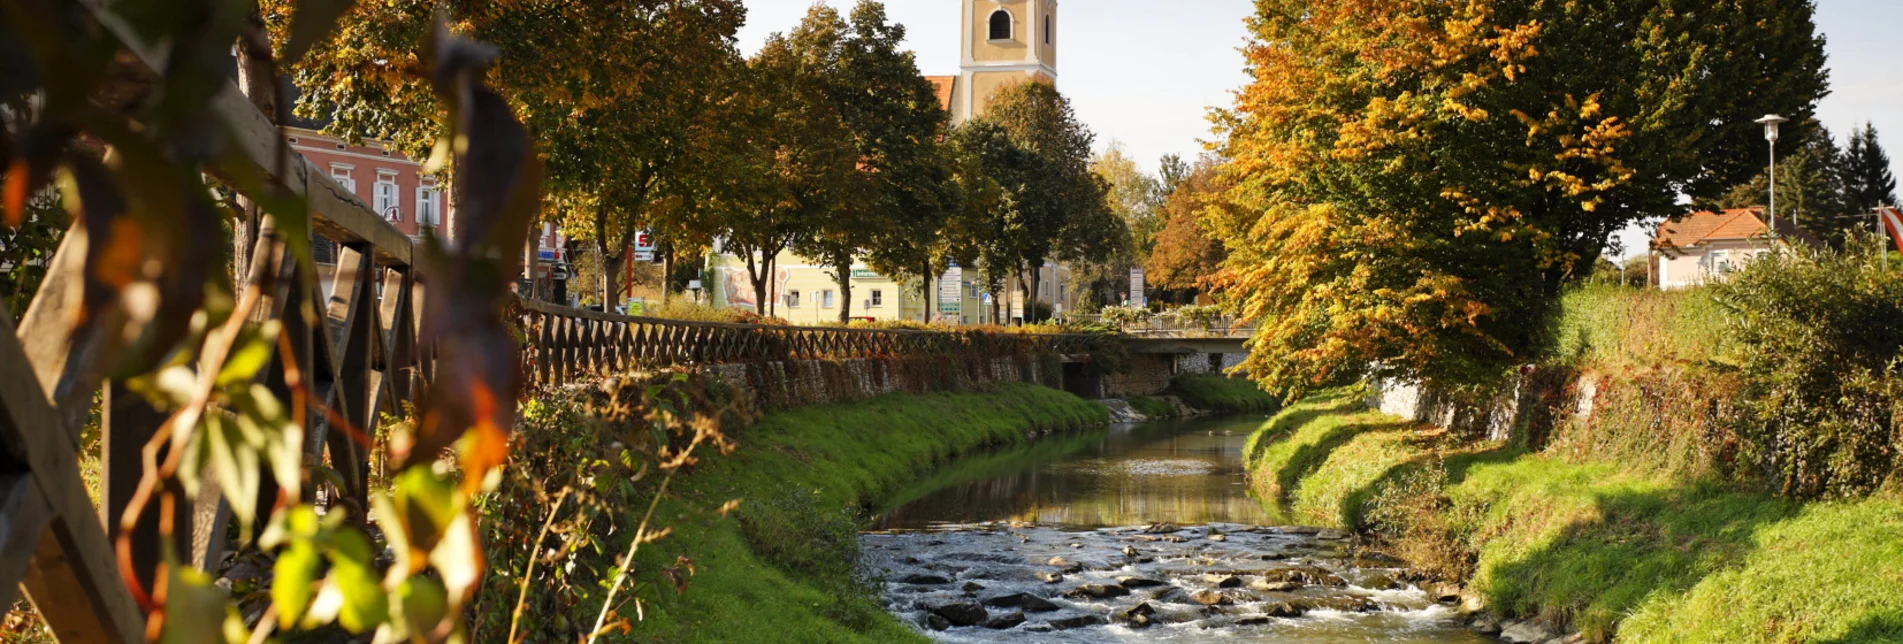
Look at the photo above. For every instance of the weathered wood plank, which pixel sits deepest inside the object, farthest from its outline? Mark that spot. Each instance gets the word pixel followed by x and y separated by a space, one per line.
pixel 73 577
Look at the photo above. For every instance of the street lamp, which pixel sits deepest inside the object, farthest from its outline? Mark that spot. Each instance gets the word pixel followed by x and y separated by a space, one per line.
pixel 1770 123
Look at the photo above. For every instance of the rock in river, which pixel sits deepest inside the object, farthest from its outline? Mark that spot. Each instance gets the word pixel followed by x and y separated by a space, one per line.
pixel 925 579
pixel 962 613
pixel 1079 621
pixel 1005 621
pixel 1025 601
pixel 1209 598
pixel 1097 591
pixel 1139 582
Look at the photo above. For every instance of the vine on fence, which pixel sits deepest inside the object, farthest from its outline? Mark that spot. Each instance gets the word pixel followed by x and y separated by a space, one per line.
pixel 128 153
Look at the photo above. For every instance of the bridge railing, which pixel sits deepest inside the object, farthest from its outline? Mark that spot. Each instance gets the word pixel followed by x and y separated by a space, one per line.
pixel 564 344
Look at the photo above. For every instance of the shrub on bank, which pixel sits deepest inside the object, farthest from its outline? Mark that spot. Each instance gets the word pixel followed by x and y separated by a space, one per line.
pixel 1818 339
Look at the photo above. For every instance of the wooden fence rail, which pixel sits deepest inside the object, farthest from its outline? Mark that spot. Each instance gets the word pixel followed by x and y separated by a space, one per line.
pixel 360 358
pixel 564 344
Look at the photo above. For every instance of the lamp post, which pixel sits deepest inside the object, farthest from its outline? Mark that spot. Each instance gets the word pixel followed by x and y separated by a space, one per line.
pixel 1770 123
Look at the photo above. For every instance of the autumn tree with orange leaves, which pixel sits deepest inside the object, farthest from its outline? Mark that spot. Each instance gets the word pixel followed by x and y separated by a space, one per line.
pixel 1414 181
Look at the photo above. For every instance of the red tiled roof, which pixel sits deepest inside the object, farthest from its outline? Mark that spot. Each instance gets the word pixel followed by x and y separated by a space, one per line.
pixel 944 85
pixel 1696 228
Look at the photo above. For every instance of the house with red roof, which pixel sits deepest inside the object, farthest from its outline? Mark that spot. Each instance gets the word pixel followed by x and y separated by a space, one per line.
pixel 1701 247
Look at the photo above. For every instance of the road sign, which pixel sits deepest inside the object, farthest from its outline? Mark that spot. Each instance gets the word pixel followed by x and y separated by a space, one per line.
pixel 644 246
pixel 951 291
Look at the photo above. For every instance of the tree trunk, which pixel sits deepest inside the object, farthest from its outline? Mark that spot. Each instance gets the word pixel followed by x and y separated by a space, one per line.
pixel 844 266
pixel 756 275
pixel 528 259
pixel 257 80
pixel 667 272
pixel 1030 304
pixel 928 283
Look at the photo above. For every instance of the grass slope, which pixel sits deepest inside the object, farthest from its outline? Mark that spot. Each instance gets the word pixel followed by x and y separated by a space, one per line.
pixel 1608 550
pixel 1217 392
pixel 780 568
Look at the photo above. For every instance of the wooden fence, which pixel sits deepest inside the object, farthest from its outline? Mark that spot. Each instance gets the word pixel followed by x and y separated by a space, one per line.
pixel 564 344
pixel 361 358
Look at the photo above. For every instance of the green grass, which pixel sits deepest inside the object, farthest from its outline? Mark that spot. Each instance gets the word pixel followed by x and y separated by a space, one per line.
pixel 1615 327
pixel 1216 392
pixel 1152 407
pixel 780 569
pixel 1612 550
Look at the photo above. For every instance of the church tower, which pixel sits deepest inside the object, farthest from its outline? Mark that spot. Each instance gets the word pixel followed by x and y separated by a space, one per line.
pixel 1005 42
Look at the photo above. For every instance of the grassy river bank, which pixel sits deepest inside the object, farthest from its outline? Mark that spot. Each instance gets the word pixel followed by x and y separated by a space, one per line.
pixel 1635 501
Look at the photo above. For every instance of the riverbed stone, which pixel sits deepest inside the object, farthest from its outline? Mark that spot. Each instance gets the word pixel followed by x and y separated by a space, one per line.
pixel 1050 577
pixel 1140 582
pixel 1209 598
pixel 962 613
pixel 1001 622
pixel 1306 575
pixel 1341 603
pixel 1274 586
pixel 1079 621
pixel 1283 609
pixel 1222 581
pixel 924 579
pixel 972 586
pixel 1098 591
pixel 934 621
pixel 1139 616
pixel 1525 632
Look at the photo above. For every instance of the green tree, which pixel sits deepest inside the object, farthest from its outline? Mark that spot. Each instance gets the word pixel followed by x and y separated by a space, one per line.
pixel 898 198
pixel 615 109
pixel 1867 170
pixel 1414 182
pixel 1056 207
pixel 1172 170
pixel 1812 187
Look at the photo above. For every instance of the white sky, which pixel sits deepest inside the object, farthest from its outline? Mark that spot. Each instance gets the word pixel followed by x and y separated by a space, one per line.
pixel 1145 72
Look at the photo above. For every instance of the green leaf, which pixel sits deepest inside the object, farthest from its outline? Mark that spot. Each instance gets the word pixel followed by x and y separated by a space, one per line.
pixel 251 355
pixel 295 577
pixel 365 603
pixel 458 557
pixel 235 466
pixel 423 603
pixel 195 610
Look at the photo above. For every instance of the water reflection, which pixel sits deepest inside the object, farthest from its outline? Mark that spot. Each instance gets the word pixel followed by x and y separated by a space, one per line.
pixel 1180 471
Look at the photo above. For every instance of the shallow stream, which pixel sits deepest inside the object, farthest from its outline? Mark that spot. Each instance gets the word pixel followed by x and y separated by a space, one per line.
pixel 1141 532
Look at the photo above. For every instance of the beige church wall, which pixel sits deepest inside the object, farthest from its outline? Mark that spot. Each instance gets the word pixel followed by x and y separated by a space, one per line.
pixel 985 50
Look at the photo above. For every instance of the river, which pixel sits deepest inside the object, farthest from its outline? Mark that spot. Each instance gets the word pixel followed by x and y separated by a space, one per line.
pixel 1135 532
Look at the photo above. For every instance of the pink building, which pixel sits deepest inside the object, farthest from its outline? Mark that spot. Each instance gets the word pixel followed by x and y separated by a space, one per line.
pixel 393 185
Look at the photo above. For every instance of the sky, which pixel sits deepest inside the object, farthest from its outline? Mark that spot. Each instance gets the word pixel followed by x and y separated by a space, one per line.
pixel 1145 73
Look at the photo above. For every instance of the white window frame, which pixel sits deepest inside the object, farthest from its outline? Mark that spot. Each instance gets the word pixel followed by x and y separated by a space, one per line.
pixel 1011 30
pixel 429 205
pixel 826 299
pixel 387 200
pixel 793 299
pixel 340 173
pixel 876 299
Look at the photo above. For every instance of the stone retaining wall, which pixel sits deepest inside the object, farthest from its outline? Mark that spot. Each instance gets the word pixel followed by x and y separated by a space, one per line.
pixel 781 385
